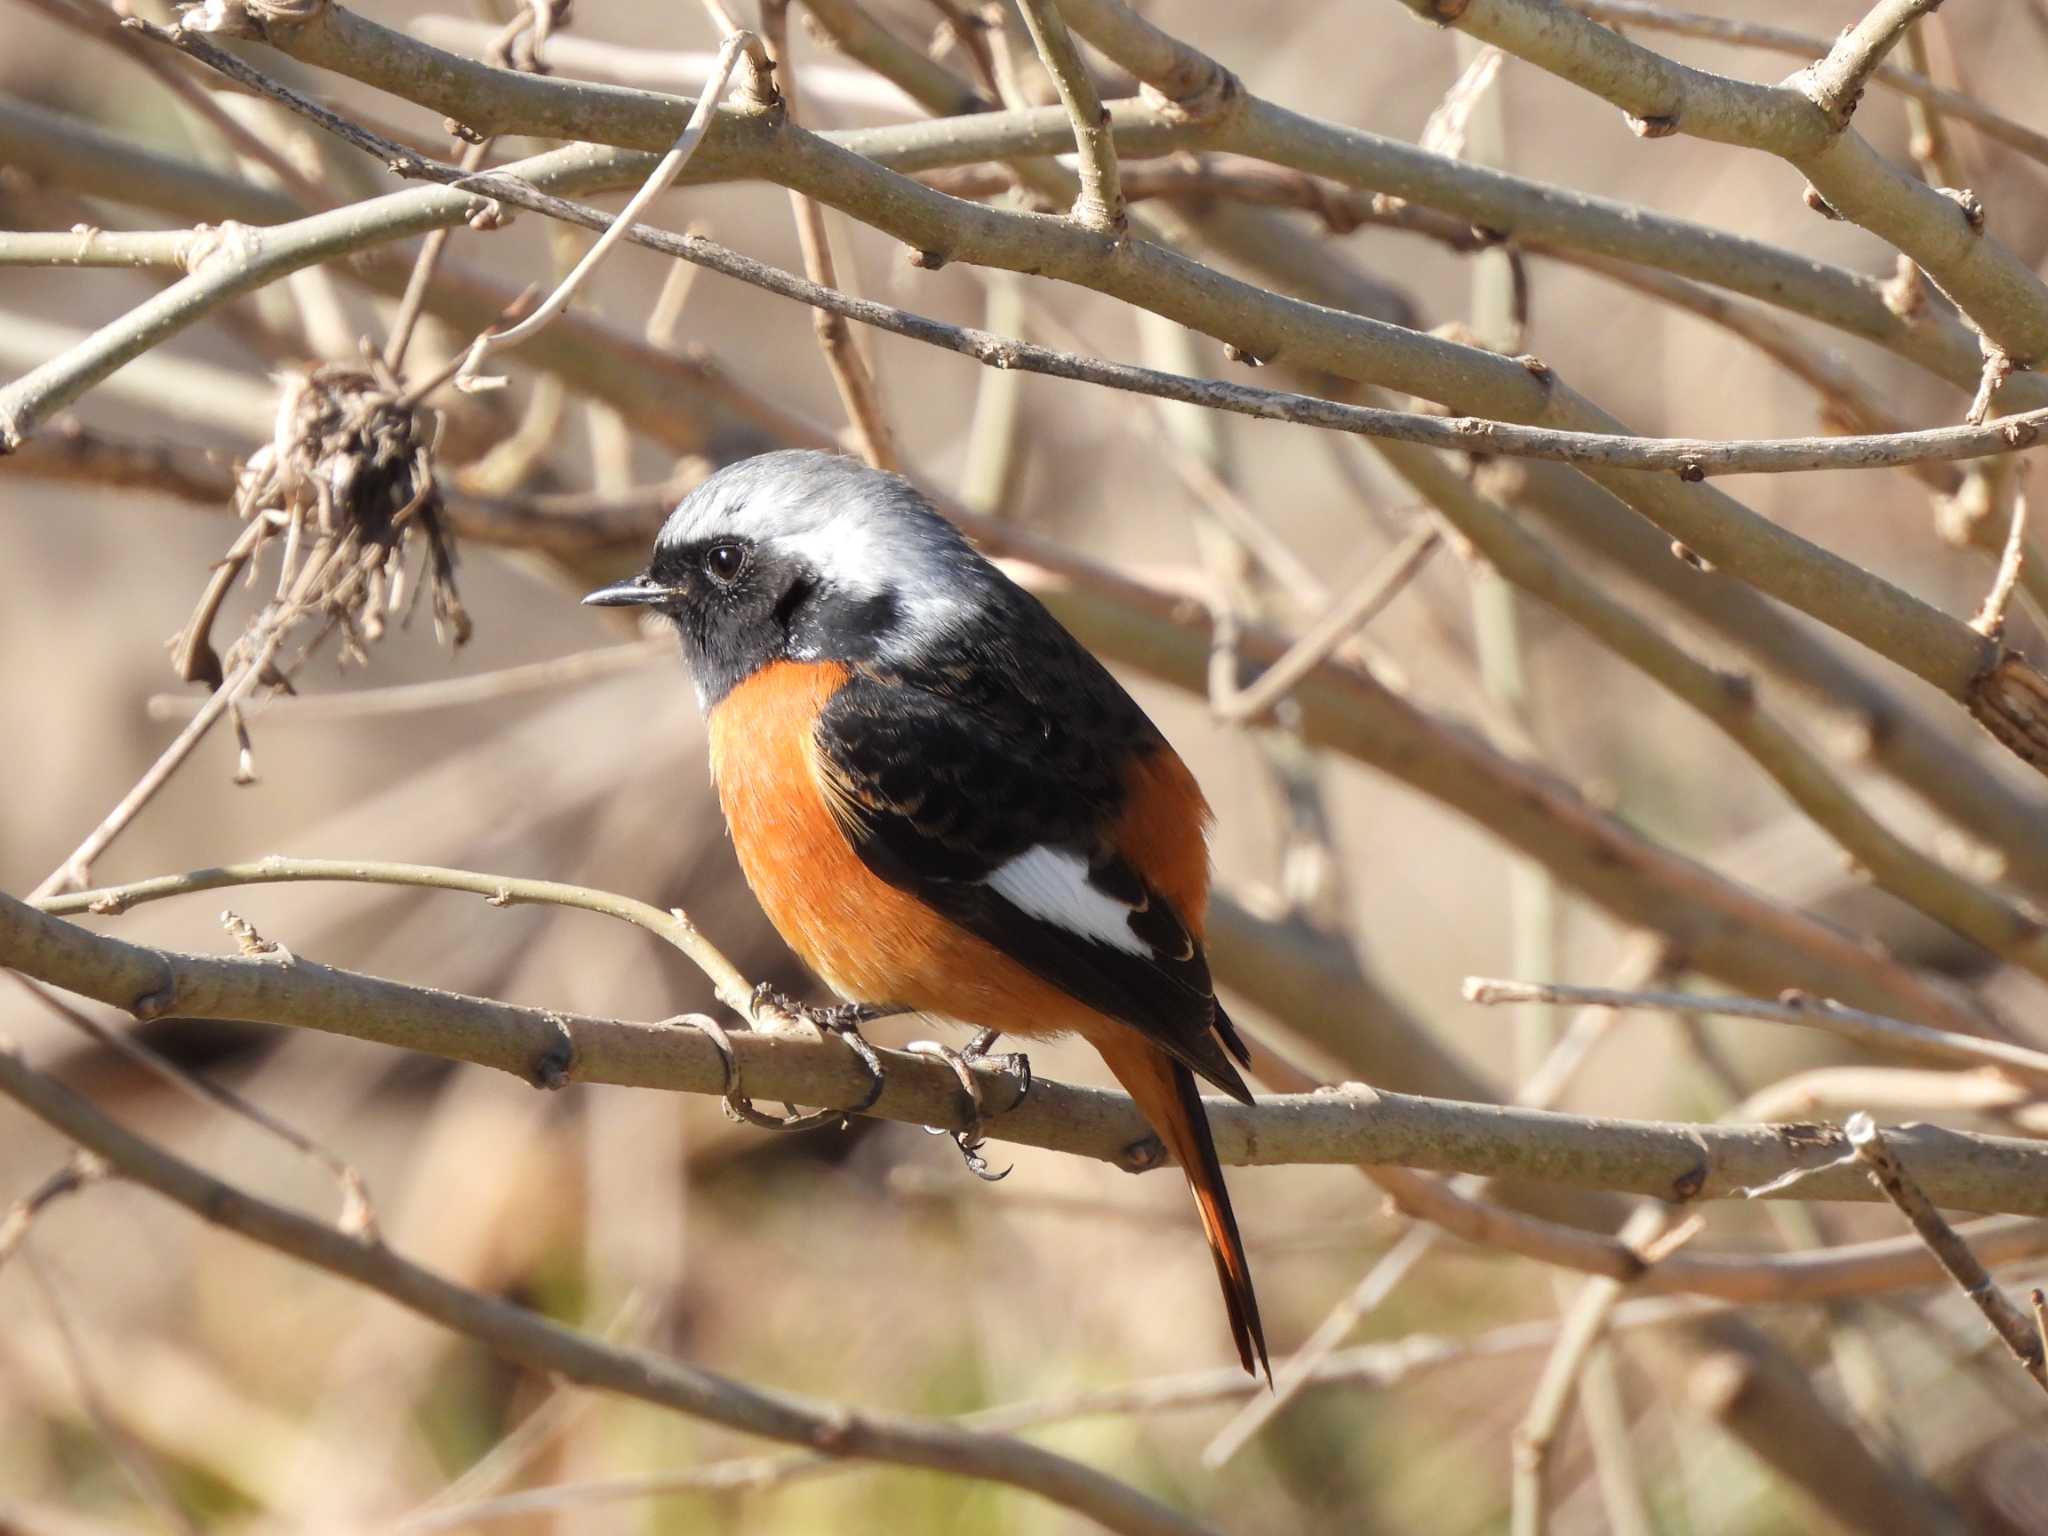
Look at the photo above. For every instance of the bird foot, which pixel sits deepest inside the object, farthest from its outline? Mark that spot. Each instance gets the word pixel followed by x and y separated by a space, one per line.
pixel 970 1138
pixel 843 1021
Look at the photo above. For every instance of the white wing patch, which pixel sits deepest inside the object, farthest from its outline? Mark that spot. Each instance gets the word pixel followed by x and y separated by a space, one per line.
pixel 1051 884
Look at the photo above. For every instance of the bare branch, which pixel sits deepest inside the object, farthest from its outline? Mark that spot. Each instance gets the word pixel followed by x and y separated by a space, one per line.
pixel 1871 1030
pixel 1351 1125
pixel 1836 82
pixel 1903 1189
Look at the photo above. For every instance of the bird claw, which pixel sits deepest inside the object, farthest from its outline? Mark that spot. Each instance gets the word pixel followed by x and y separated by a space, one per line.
pixel 844 1021
pixel 970 1139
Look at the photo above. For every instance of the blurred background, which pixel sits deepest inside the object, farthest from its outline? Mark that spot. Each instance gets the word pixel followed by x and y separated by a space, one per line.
pixel 149 1363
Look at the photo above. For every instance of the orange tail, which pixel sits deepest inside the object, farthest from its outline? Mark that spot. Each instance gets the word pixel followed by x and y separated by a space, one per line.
pixel 1165 1094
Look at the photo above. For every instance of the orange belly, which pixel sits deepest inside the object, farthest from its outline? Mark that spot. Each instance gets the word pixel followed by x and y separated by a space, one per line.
pixel 868 941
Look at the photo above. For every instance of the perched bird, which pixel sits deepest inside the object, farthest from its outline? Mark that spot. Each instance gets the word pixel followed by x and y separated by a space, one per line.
pixel 942 801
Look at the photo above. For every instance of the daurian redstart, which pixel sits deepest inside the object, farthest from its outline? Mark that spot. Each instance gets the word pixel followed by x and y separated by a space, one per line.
pixel 941 800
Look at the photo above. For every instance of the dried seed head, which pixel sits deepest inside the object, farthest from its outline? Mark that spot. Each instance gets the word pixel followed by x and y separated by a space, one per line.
pixel 343 487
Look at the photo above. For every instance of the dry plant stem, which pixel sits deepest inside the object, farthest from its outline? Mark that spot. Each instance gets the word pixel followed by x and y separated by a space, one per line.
pixel 1919 1091
pixel 858 392
pixel 1872 1031
pixel 547 1346
pixel 1585 1320
pixel 1101 204
pixel 1351 1125
pixel 659 181
pixel 1339 623
pixel 1943 651
pixel 1845 396
pixel 80 1171
pixel 1888 1172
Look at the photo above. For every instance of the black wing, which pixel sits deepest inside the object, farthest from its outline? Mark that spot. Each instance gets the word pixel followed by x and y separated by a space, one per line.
pixel 942 776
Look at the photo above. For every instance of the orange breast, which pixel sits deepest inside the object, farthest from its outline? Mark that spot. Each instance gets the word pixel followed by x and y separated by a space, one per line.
pixel 868 941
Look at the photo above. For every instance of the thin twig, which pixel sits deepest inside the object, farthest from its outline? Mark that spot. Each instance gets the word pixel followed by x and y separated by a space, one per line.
pixel 136 1460
pixel 1990 619
pixel 1383 1366
pixel 1836 82
pixel 77 868
pixel 662 178
pixel 80 1171
pixel 445 693
pixel 1101 204
pixel 1889 1174
pixel 358 1211
pixel 1871 1030
pixel 1585 1320
pixel 851 376
pixel 1343 619
pixel 672 925
pixel 421 278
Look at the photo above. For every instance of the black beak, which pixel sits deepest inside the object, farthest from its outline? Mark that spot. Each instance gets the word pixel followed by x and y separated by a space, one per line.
pixel 635 592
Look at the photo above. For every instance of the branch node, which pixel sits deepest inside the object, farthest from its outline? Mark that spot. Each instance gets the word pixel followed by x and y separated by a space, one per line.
pixel 1142 1155
pixel 1820 205
pixel 1686 1188
pixel 1998 367
pixel 1971 204
pixel 1661 126
pixel 247 939
pixel 1905 292
pixel 1217 96
pixel 555 1067
pixel 2010 700
pixel 155 1003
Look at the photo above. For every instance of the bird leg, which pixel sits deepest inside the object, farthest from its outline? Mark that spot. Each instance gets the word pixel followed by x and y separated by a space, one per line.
pixel 969 1139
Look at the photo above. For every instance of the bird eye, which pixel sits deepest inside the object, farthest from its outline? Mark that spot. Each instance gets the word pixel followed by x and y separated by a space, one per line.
pixel 724 562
